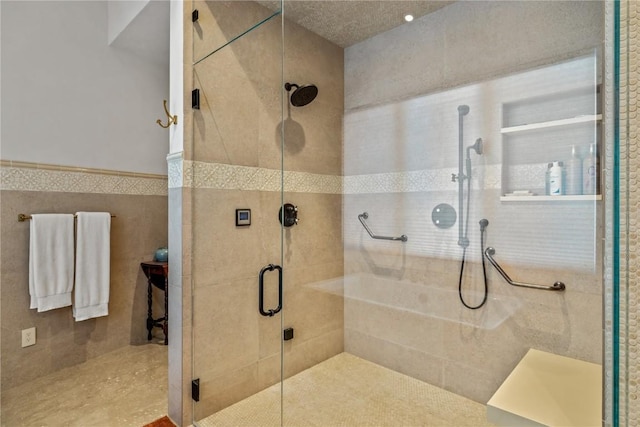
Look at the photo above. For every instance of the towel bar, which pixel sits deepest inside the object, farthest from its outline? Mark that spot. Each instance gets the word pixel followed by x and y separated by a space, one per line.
pixel 23 217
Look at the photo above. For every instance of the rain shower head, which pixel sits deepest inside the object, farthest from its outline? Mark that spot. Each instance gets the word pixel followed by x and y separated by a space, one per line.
pixel 302 95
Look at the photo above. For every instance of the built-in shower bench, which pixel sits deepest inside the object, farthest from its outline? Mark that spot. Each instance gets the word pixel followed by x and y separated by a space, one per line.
pixel 545 389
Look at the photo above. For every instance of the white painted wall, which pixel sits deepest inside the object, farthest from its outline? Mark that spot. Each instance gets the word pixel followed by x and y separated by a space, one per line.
pixel 71 99
pixel 176 30
pixel 146 35
pixel 120 14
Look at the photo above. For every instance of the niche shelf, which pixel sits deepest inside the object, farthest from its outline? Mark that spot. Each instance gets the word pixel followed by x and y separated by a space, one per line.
pixel 552 123
pixel 540 129
pixel 580 198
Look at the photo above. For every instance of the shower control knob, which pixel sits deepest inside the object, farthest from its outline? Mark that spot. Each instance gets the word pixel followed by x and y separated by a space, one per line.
pixel 288 215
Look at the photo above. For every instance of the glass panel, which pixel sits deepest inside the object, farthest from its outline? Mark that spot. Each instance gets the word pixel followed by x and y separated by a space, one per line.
pixel 236 194
pixel 313 248
pixel 414 110
pixel 221 22
pixel 612 309
pixel 434 308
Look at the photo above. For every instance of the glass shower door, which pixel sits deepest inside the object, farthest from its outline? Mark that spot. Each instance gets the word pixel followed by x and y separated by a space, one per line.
pixel 236 181
pixel 273 130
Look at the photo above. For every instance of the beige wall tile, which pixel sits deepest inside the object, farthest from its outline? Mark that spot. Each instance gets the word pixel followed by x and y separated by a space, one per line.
pixel 471 382
pixel 140 226
pixel 221 21
pixel 409 361
pixel 299 356
pixel 225 327
pixel 223 251
pixel 225 389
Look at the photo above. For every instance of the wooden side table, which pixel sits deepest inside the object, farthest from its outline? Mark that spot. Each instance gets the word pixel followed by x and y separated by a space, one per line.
pixel 157 274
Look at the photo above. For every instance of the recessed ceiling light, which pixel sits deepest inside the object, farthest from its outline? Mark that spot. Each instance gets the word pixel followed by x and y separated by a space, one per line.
pixel 408 18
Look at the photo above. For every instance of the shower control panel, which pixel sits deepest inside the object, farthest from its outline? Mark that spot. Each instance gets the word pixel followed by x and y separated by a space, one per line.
pixel 243 217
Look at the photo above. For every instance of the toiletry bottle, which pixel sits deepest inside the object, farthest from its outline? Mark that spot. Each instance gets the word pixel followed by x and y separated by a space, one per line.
pixel 547 192
pixel 590 172
pixel 573 174
pixel 556 184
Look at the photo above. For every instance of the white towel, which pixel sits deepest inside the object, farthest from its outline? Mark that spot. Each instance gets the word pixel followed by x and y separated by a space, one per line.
pixel 93 255
pixel 50 261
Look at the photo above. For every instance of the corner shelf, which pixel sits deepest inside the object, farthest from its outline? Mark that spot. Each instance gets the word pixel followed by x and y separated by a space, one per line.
pixel 552 123
pixel 583 198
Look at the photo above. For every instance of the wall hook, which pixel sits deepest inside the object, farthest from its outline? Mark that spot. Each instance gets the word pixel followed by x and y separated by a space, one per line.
pixel 172 119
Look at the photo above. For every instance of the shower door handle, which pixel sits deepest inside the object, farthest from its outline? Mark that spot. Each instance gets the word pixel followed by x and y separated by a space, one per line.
pixel 272 311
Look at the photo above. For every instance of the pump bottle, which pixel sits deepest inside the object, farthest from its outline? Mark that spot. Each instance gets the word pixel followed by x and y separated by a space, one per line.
pixel 556 179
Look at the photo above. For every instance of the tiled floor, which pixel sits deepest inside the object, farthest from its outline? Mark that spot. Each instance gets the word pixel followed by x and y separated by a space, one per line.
pixel 127 387
pixel 348 391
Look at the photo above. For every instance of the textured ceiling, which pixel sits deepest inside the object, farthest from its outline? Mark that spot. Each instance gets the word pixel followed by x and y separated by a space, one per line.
pixel 347 22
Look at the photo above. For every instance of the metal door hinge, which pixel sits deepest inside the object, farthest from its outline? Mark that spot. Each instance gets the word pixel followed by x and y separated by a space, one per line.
pixel 195 99
pixel 195 389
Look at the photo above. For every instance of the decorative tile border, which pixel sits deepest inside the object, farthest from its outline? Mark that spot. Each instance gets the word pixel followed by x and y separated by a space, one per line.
pixel 527 177
pixel 23 176
pixel 231 177
pixel 174 170
pixel 420 180
pixel 302 182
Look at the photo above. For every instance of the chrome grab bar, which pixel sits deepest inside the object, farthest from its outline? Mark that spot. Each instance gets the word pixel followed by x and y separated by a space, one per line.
pixel 364 216
pixel 489 252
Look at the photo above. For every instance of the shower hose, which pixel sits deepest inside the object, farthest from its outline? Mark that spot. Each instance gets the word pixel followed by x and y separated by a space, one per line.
pixel 464 253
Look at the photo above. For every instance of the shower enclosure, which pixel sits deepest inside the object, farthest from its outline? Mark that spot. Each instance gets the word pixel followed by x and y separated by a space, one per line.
pixel 305 142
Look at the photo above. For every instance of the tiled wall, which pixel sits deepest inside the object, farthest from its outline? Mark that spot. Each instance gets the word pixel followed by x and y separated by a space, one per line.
pixel 406 150
pixel 634 211
pixel 629 212
pixel 234 162
pixel 139 203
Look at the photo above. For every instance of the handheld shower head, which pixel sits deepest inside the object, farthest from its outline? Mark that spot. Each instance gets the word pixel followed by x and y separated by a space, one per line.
pixel 477 147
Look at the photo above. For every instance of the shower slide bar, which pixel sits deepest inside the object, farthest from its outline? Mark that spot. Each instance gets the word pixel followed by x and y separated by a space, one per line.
pixel 489 252
pixel 364 216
